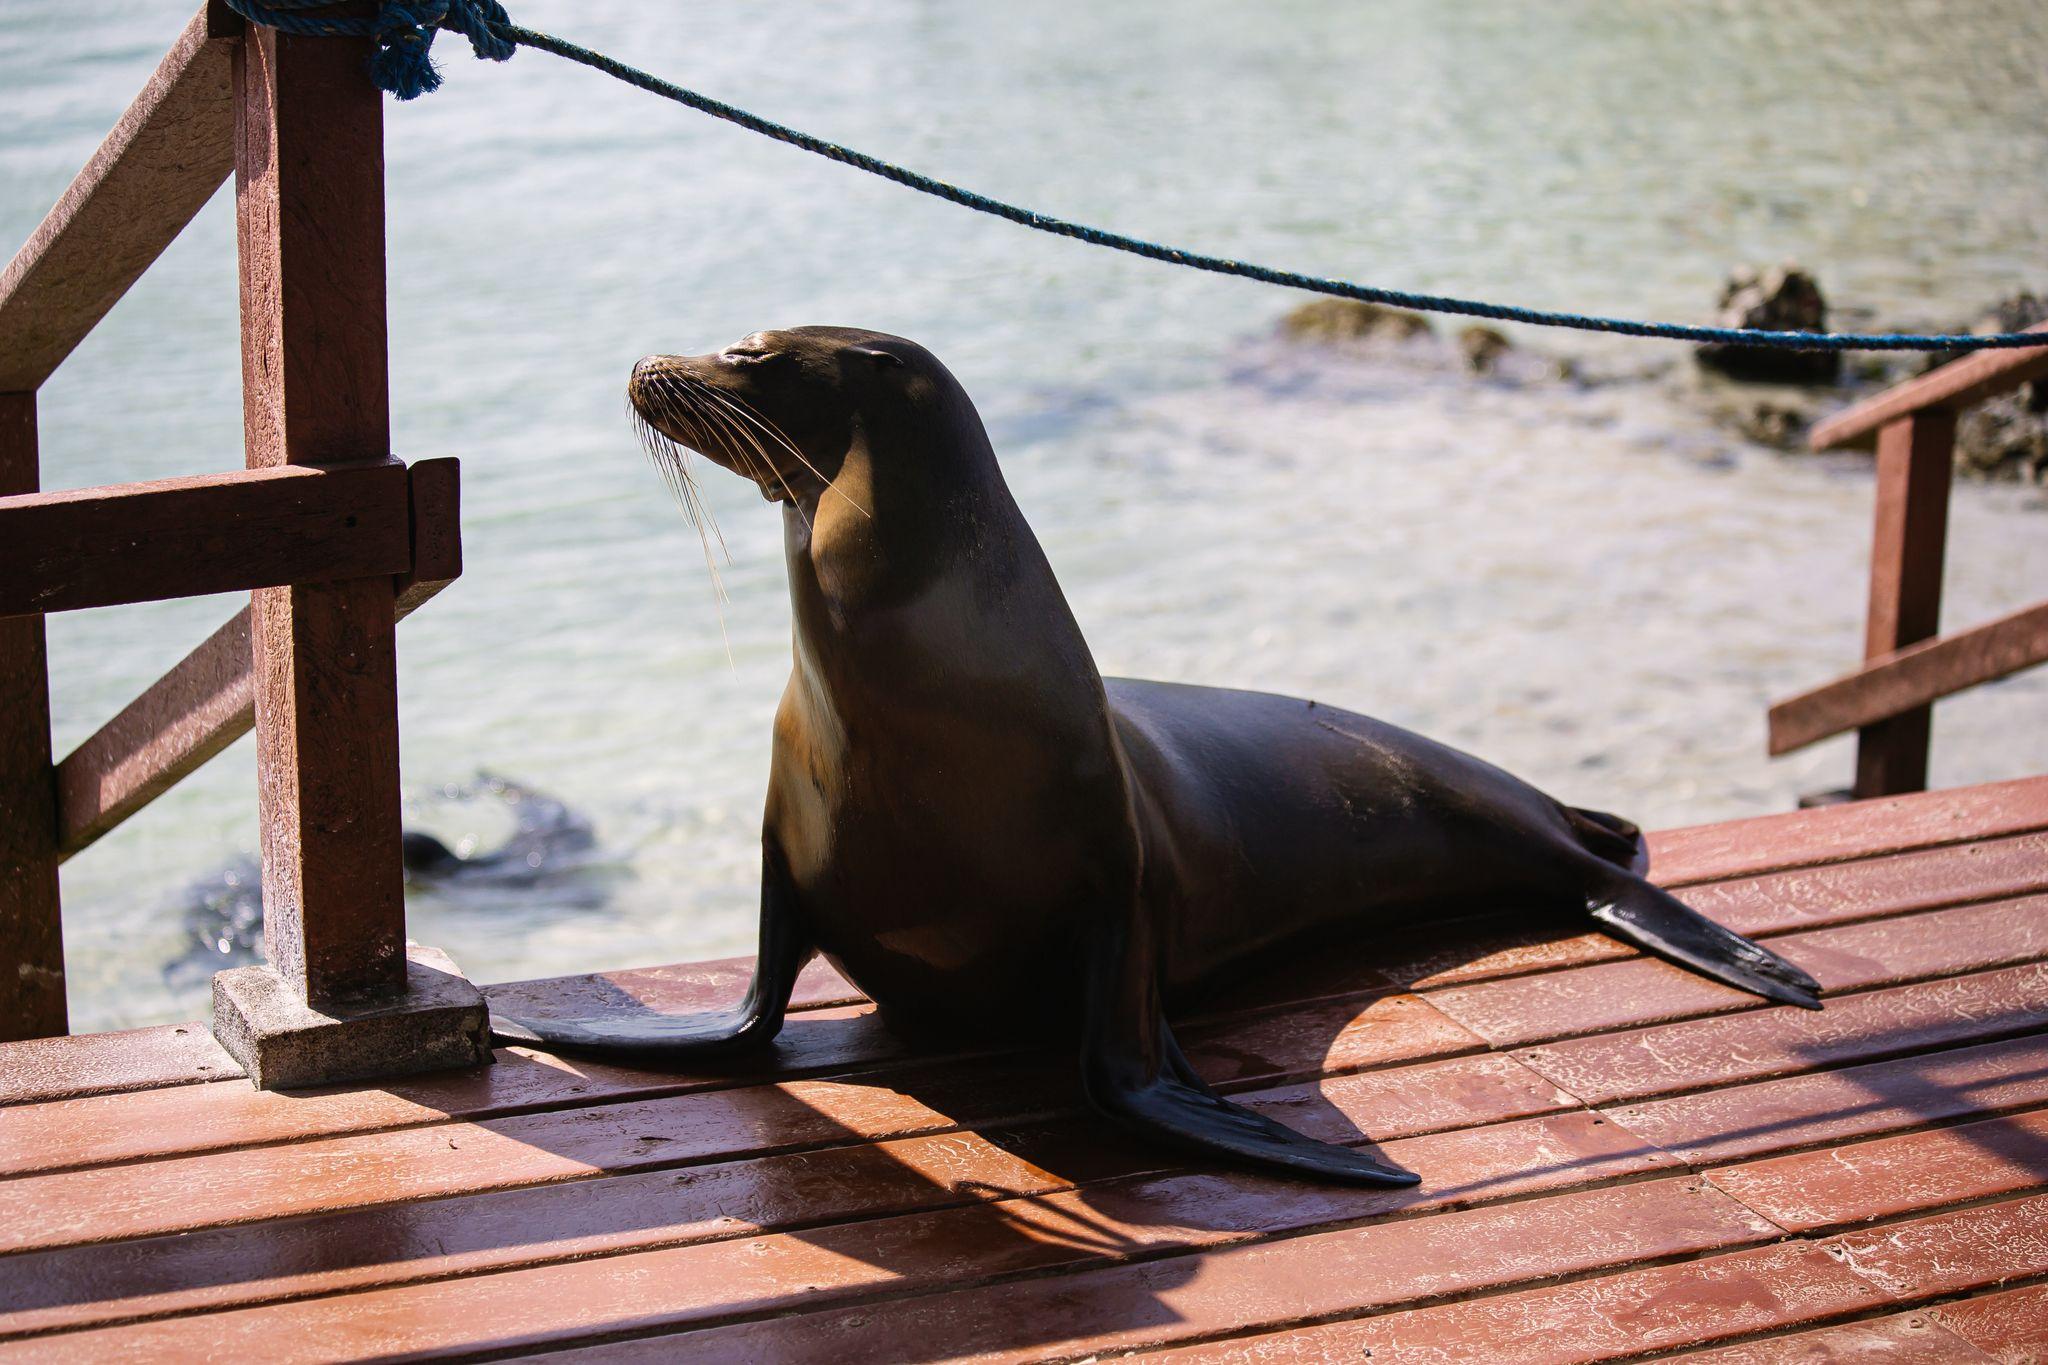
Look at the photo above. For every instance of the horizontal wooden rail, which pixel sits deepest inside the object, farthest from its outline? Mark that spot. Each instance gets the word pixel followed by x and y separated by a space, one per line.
pixel 163 161
pixel 248 528
pixel 207 701
pixel 1954 386
pixel 1911 678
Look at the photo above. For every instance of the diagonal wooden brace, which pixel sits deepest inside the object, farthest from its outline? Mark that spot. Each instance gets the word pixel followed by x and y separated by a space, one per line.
pixel 208 701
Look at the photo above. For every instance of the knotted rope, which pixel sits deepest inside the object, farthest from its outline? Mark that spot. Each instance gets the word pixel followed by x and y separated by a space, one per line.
pixel 403 64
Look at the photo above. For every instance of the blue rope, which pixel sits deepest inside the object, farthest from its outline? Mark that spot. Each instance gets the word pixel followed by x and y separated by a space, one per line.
pixel 402 64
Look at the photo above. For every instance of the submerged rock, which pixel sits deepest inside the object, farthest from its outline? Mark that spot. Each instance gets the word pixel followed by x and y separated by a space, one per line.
pixel 546 850
pixel 1329 320
pixel 1784 299
pixel 1482 348
pixel 1769 416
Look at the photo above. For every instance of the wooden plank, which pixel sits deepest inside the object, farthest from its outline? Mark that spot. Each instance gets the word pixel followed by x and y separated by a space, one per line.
pixel 1004 1087
pixel 1275 1284
pixel 2011 1327
pixel 1458 952
pixel 1911 678
pixel 1959 384
pixel 684 988
pixel 309 216
pixel 1614 995
pixel 1832 1106
pixel 1880 887
pixel 1113 1306
pixel 106 1130
pixel 426 1236
pixel 144 542
pixel 1608 1318
pixel 434 489
pixel 1913 1338
pixel 1894 1176
pixel 208 700
pixel 110 1063
pixel 1915 465
pixel 1860 829
pixel 161 163
pixel 32 994
pixel 837 1041
pixel 1609 1068
pixel 323 1175
pixel 1951 1253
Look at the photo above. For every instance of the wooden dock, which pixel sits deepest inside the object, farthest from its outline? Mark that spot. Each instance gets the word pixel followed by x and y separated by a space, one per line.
pixel 1619 1159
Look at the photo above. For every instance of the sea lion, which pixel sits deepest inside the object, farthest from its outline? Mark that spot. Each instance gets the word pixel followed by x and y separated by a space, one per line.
pixel 983 833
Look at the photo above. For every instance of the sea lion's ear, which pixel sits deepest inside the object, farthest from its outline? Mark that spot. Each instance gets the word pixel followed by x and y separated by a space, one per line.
pixel 880 358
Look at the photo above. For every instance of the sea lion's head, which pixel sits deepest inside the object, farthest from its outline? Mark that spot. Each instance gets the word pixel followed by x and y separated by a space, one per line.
pixel 785 409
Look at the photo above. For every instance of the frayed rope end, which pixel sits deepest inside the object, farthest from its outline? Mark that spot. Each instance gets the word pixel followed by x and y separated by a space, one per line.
pixel 403 30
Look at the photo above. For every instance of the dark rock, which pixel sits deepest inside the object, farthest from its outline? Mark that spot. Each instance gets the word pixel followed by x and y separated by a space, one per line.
pixel 1785 299
pixel 1769 416
pixel 1328 320
pixel 1778 425
pixel 2004 437
pixel 1482 348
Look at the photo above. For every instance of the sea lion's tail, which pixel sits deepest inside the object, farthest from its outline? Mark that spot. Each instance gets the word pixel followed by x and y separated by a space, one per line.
pixel 1655 920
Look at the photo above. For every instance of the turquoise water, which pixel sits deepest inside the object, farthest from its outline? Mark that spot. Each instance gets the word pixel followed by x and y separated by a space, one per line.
pixel 1591 584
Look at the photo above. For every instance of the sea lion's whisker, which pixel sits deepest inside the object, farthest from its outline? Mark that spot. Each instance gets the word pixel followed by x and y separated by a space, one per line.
pixel 671 457
pixel 776 433
pixel 727 408
pixel 749 449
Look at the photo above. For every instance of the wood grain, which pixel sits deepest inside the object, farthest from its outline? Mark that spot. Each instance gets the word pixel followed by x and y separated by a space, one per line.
pixel 1915 465
pixel 171 150
pixel 1636 991
pixel 208 700
pixel 1844 1102
pixel 1610 1068
pixel 208 533
pixel 32 994
pixel 309 214
pixel 1834 834
pixel 1607 1318
pixel 1913 677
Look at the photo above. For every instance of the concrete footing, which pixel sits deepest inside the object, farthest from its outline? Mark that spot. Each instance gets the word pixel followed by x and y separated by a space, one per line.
pixel 440 1022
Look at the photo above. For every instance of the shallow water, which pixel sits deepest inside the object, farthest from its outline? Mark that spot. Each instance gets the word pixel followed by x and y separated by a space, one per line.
pixel 1591 585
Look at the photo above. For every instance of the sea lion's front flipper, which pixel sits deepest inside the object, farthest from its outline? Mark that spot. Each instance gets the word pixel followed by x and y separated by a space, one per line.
pixel 659 1039
pixel 1134 1071
pixel 1649 917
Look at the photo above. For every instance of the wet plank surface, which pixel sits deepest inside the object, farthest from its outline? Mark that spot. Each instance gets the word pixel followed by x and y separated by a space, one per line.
pixel 1618 1158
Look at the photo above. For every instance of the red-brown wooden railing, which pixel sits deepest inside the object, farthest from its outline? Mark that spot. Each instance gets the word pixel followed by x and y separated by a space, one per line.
pixel 333 538
pixel 1907 664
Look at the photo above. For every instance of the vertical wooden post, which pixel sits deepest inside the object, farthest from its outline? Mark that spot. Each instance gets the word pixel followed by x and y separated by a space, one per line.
pixel 309 194
pixel 32 1003
pixel 342 999
pixel 1915 465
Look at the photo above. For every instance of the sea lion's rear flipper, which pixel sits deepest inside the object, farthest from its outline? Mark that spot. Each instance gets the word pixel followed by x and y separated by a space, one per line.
pixel 1610 837
pixel 1134 1072
pixel 1630 908
pixel 658 1039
